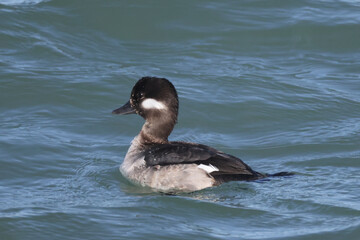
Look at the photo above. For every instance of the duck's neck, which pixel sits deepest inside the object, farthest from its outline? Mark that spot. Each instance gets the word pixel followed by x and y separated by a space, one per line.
pixel 157 131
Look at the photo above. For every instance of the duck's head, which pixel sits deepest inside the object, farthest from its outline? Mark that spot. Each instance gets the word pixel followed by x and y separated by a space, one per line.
pixel 156 100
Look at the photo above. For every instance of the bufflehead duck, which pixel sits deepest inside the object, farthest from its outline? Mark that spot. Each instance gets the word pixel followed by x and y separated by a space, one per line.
pixel 166 166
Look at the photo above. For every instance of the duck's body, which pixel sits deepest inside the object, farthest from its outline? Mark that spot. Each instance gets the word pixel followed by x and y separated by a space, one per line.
pixel 181 167
pixel 164 178
pixel 165 166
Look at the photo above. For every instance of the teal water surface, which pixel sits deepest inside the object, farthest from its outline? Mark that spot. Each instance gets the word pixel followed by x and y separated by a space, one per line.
pixel 276 83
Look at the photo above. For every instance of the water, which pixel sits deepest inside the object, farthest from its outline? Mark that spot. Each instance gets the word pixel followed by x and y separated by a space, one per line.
pixel 273 82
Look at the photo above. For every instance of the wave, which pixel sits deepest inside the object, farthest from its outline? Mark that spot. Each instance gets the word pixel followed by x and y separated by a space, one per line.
pixel 21 2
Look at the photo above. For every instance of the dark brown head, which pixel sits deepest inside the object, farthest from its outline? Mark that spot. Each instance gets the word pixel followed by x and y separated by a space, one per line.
pixel 156 100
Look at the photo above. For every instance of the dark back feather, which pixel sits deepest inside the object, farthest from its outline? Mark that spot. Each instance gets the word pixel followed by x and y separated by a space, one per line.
pixel 230 167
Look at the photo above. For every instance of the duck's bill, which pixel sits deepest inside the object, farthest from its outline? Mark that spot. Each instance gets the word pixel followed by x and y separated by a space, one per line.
pixel 126 109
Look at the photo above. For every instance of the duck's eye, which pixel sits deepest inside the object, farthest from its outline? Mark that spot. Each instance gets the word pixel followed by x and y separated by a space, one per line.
pixel 141 95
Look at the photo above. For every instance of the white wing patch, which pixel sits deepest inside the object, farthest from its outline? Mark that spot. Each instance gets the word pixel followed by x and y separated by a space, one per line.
pixel 151 103
pixel 208 169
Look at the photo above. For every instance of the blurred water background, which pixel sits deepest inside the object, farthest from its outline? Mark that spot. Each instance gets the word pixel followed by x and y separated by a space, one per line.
pixel 276 83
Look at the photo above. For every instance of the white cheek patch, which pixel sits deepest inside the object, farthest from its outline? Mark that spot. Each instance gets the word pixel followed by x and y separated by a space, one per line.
pixel 151 103
pixel 208 169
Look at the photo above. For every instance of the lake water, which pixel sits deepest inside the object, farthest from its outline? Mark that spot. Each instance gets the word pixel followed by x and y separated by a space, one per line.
pixel 276 83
